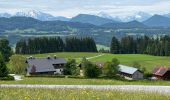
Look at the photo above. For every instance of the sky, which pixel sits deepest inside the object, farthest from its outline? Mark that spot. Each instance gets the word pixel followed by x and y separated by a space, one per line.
pixel 70 8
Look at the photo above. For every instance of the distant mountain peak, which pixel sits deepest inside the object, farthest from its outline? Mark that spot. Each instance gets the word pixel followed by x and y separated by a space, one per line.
pixel 91 19
pixel 158 21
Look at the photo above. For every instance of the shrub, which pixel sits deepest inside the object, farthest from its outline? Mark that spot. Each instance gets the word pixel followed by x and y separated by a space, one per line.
pixel 111 68
pixel 17 64
pixel 147 74
pixel 71 68
pixel 7 78
pixel 90 70
pixel 138 66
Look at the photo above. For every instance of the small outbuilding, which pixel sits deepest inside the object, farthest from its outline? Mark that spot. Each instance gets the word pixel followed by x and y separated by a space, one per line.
pixel 130 73
pixel 162 73
pixel 47 65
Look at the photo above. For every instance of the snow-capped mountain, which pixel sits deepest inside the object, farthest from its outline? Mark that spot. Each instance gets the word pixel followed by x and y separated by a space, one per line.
pixel 35 14
pixel 40 15
pixel 139 16
pixel 106 15
pixel 5 15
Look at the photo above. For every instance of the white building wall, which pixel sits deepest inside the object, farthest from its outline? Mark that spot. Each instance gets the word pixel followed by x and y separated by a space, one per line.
pixel 137 75
pixel 59 71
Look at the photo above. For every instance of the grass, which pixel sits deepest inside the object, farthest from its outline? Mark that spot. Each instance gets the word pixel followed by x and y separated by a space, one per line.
pixel 147 61
pixel 67 55
pixel 74 81
pixel 75 94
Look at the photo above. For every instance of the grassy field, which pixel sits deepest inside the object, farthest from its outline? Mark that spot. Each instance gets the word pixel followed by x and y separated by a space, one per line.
pixel 74 81
pixel 147 61
pixel 75 94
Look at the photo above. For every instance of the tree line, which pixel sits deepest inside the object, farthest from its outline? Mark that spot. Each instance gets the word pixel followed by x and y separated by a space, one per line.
pixel 159 46
pixel 55 44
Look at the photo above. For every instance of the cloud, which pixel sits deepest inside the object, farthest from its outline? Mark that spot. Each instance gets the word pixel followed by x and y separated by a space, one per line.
pixel 71 8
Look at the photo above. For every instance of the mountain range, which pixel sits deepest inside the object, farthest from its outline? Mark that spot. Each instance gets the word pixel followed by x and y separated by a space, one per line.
pixel 102 19
pixel 35 14
pixel 22 23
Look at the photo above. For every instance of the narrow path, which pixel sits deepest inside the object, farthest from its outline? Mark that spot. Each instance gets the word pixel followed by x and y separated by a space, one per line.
pixel 151 89
pixel 95 56
pixel 92 57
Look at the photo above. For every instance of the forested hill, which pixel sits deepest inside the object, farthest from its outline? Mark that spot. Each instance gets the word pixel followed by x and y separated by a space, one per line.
pixel 28 22
pixel 132 24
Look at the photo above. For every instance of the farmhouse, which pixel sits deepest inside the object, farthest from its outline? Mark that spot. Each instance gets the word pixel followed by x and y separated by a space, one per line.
pixel 130 73
pixel 161 73
pixel 45 65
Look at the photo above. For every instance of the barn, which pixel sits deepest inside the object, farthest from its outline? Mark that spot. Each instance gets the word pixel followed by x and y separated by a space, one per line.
pixel 49 65
pixel 162 73
pixel 130 73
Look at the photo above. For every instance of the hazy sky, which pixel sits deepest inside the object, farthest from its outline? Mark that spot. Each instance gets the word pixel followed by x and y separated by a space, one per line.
pixel 71 8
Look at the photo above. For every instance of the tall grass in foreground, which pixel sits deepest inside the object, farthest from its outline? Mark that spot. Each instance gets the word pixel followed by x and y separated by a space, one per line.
pixel 75 94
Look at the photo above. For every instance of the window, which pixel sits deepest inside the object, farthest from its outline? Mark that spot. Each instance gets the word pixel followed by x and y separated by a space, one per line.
pixel 58 66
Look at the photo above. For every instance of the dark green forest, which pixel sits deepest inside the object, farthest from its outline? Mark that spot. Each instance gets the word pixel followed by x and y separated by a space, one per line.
pixel 159 46
pixel 55 44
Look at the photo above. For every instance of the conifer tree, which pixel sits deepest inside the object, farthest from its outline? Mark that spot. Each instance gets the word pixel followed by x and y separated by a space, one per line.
pixel 3 67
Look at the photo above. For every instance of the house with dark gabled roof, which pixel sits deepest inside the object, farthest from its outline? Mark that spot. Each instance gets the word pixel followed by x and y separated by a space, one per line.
pixel 161 73
pixel 47 65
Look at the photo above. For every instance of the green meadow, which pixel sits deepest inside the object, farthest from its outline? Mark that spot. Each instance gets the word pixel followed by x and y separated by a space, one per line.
pixel 147 61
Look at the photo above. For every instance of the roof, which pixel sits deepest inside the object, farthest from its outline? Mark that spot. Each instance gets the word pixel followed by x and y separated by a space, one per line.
pixel 44 64
pixel 127 69
pixel 160 71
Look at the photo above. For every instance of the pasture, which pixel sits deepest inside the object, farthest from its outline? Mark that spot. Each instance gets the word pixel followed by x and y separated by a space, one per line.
pixel 147 61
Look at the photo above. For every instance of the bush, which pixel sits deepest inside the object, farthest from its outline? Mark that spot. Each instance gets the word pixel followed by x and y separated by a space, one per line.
pixel 71 68
pixel 7 78
pixel 111 68
pixel 90 70
pixel 138 66
pixel 147 74
pixel 17 64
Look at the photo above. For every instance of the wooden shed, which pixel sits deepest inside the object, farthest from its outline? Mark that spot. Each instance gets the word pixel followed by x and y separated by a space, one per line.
pixel 162 73
pixel 130 73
